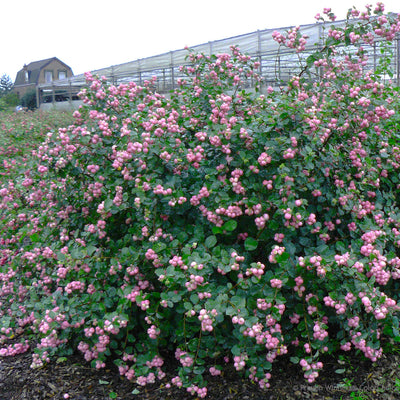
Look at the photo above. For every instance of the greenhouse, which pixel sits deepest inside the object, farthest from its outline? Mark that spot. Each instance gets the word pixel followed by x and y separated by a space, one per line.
pixel 277 64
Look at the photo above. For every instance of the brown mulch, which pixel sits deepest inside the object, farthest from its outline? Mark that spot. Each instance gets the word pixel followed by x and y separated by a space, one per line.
pixel 358 380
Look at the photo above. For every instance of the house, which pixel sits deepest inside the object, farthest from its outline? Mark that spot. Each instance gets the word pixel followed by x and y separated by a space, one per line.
pixel 43 71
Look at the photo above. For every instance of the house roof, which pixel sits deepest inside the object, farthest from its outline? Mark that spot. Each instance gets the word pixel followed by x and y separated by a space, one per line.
pixel 34 69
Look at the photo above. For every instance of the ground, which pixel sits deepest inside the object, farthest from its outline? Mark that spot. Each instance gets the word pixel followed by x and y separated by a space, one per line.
pixel 349 377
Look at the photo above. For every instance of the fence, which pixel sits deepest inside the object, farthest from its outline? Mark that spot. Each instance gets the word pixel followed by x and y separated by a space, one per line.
pixel 276 65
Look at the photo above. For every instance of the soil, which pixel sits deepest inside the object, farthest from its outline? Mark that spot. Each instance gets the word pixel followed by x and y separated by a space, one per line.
pixel 349 378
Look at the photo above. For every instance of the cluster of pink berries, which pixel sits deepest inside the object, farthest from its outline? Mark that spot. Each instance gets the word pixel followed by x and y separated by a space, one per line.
pixel 196 391
pixel 256 269
pixel 276 251
pixel 206 318
pixel 14 349
pixel 311 370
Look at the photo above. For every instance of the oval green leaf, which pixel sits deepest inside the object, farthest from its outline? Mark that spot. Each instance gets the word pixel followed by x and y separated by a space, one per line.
pixel 211 241
pixel 250 244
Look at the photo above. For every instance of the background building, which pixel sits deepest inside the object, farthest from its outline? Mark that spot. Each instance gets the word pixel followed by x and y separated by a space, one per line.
pixel 39 72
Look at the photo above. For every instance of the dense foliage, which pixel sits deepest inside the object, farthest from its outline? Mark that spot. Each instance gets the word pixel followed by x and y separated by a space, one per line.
pixel 7 98
pixel 9 101
pixel 216 223
pixel 28 100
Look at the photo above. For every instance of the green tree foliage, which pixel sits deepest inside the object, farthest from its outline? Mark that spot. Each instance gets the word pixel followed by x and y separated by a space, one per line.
pixel 6 85
pixel 28 100
pixel 8 101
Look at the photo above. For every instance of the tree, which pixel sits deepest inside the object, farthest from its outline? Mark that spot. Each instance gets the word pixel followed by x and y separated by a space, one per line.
pixel 28 100
pixel 6 85
pixel 10 100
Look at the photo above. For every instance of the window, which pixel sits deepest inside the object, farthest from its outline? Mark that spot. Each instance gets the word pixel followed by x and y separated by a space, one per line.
pixel 26 73
pixel 62 74
pixel 48 76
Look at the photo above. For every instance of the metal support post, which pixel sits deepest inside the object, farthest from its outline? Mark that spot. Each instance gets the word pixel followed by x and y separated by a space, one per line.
pixel 172 70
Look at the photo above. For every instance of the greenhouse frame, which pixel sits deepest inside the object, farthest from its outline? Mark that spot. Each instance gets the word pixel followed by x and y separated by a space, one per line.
pixel 277 64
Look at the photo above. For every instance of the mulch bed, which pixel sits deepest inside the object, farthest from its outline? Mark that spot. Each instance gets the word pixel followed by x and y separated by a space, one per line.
pixel 361 380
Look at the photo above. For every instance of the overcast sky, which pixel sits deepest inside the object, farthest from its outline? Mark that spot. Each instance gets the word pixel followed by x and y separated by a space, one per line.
pixel 93 34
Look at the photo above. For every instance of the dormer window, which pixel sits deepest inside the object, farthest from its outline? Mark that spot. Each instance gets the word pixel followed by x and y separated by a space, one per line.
pixel 62 74
pixel 26 73
pixel 48 76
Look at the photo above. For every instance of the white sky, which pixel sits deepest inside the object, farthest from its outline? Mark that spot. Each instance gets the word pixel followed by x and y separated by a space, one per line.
pixel 93 34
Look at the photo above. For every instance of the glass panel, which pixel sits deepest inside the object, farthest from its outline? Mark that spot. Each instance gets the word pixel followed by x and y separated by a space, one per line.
pixel 48 75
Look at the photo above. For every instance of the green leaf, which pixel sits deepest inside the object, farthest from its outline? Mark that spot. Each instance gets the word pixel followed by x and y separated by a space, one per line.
pixel 175 297
pixel 230 311
pixel 108 205
pixel 194 298
pixel 230 225
pixel 135 391
pixel 395 327
pixel 239 302
pixel 290 248
pixel 250 244
pixel 236 350
pixel 340 371
pixel 216 230
pixel 182 237
pixel 35 238
pixel 198 370
pixel 340 246
pixel 90 250
pixel 211 241
pixel 101 382
pixel 125 251
pixel 304 241
pixel 76 254
pixel 193 345
pixel 159 246
pixel 60 256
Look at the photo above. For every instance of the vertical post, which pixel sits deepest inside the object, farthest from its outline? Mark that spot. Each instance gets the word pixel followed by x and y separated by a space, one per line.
pixel 163 73
pixel 70 92
pixel 53 95
pixel 320 69
pixel 259 51
pixel 210 44
pixel 172 70
pixel 140 74
pixel 112 74
pixel 37 97
pixel 279 68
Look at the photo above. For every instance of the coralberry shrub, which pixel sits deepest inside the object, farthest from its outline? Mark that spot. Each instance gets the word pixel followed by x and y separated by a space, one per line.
pixel 217 223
